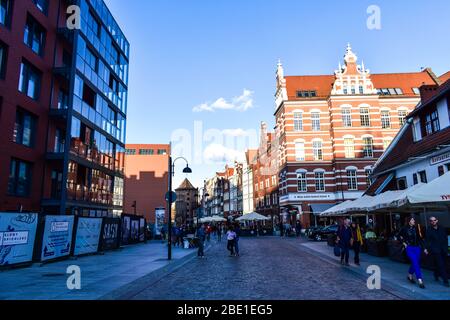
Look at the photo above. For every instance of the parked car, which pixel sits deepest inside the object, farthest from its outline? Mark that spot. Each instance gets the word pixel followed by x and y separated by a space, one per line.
pixel 322 233
pixel 312 230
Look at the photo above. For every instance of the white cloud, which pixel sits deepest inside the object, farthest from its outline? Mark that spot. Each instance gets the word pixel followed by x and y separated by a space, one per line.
pixel 241 103
pixel 236 132
pixel 218 153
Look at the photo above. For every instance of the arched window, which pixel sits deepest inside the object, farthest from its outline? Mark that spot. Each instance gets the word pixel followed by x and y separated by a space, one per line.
pixel 300 150
pixel 319 176
pixel 349 147
pixel 318 150
pixel 352 179
pixel 386 119
pixel 347 116
pixel 298 121
pixel 365 116
pixel 402 113
pixel 302 181
pixel 315 121
pixel 368 147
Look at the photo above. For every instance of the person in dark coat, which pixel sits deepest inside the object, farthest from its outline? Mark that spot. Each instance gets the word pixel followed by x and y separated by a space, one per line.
pixel 298 228
pixel 411 237
pixel 344 239
pixel 201 236
pixel 436 243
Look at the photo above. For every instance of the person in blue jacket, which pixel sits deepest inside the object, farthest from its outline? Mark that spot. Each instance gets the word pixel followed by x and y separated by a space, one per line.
pixel 344 240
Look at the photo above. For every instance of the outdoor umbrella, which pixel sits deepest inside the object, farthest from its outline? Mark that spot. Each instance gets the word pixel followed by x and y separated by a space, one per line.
pixel 253 217
pixel 218 219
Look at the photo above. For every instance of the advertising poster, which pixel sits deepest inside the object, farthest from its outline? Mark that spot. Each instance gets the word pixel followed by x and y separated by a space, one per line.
pixel 57 239
pixel 159 220
pixel 17 235
pixel 134 230
pixel 87 235
pixel 126 229
pixel 110 234
pixel 141 230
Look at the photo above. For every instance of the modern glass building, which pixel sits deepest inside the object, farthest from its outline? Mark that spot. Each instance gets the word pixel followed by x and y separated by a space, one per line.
pixel 84 168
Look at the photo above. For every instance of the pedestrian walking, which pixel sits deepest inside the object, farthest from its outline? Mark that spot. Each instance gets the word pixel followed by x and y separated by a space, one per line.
pixel 298 228
pixel 231 236
pixel 344 240
pixel 412 240
pixel 357 241
pixel 436 243
pixel 201 241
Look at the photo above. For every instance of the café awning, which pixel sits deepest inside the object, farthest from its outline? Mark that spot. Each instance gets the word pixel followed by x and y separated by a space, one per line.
pixel 437 190
pixel 319 208
pixel 254 216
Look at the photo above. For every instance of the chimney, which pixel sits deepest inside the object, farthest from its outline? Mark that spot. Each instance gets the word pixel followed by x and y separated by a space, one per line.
pixel 427 92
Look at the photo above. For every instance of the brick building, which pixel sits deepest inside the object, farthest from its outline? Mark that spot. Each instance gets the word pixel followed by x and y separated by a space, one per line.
pixel 332 129
pixel 265 174
pixel 146 178
pixel 187 202
pixel 63 101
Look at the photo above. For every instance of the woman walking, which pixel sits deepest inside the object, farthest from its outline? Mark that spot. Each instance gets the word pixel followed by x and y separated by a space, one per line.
pixel 411 237
pixel 231 237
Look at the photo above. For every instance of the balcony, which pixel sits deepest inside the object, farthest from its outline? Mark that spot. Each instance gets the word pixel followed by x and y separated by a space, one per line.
pixel 82 193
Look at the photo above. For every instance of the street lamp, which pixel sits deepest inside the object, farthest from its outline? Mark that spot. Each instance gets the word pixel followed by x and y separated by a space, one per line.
pixel 170 199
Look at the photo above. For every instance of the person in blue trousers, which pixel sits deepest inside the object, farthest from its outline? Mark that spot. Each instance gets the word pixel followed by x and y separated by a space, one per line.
pixel 344 240
pixel 411 237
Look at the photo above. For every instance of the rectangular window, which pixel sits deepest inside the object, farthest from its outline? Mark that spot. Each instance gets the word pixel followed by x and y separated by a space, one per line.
pixel 63 99
pixel 5 12
pixel 441 171
pixel 320 181
pixel 423 176
pixel 361 90
pixel 42 5
pixel 19 178
pixel 368 147
pixel 3 53
pixel 302 183
pixel 402 116
pixel 261 185
pixel 300 151
pixel 162 151
pixel 368 177
pixel 30 81
pixel 256 187
pixel 298 121
pixel 146 152
pixel 24 128
pixel 347 117
pixel 267 183
pixel 416 91
pixel 432 123
pixel 306 94
pixel 399 91
pixel 352 180
pixel 415 179
pixel 315 121
pixel 130 152
pixel 365 117
pixel 34 35
pixel 401 183
pixel 91 60
pixel 385 119
pixel 317 150
pixel 349 146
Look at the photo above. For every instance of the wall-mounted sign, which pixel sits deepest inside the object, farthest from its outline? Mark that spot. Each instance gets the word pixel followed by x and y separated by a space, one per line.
pixel 87 236
pixel 57 239
pixel 17 235
pixel 440 158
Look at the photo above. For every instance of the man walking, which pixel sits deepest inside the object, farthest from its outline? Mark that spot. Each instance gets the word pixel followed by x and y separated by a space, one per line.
pixel 344 239
pixel 237 230
pixel 201 234
pixel 436 243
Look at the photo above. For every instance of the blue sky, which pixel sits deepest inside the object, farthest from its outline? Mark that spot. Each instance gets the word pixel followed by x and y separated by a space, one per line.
pixel 198 55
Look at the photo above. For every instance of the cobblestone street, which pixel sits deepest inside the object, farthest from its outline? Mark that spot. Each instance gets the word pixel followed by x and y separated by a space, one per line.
pixel 268 268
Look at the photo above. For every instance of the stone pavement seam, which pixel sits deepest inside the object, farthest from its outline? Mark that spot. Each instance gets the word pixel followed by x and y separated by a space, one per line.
pixel 132 289
pixel 390 287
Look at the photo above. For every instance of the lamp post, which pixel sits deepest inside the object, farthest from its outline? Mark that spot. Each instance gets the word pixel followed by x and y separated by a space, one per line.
pixel 170 199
